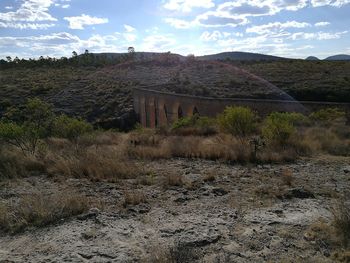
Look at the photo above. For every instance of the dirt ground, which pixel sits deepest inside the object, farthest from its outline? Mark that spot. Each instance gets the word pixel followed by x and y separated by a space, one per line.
pixel 217 213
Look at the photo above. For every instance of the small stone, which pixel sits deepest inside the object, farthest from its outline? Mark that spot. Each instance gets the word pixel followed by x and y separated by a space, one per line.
pixel 219 191
pixel 346 169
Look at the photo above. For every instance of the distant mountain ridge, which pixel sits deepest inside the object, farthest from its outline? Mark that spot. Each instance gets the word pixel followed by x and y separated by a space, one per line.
pixel 247 56
pixel 238 56
pixel 338 57
pixel 313 58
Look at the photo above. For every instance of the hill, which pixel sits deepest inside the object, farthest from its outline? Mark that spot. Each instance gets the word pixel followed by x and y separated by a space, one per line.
pixel 312 58
pixel 245 56
pixel 339 57
pixel 103 95
pixel 306 80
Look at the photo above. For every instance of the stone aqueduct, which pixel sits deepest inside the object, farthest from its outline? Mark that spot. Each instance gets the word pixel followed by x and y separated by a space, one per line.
pixel 155 108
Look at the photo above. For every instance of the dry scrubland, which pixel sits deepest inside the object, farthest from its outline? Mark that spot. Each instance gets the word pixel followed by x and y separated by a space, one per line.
pixel 102 94
pixel 232 189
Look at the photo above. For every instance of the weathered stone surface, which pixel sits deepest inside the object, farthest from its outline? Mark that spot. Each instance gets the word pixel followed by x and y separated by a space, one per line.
pixel 222 221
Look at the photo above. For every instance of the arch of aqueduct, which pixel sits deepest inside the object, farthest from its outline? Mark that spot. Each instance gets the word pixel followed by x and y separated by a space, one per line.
pixel 155 108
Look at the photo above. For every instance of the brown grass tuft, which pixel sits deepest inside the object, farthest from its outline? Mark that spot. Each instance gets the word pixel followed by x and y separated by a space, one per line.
pixel 41 210
pixel 341 221
pixel 287 176
pixel 133 197
pixel 173 179
pixel 105 163
pixel 210 176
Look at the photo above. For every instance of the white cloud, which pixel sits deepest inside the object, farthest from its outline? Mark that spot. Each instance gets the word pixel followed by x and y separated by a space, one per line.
pixel 30 11
pixel 8 7
pixel 179 23
pixel 216 35
pixel 129 28
pixel 336 3
pixel 78 22
pixel 219 19
pixel 319 24
pixel 159 43
pixel 130 37
pixel 19 25
pixel 246 8
pixel 58 44
pixel 276 27
pixel 187 5
pixel 207 36
pixel 208 19
pixel 318 35
pixel 66 6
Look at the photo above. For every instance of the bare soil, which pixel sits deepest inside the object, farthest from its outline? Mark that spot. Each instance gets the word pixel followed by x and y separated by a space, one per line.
pixel 242 214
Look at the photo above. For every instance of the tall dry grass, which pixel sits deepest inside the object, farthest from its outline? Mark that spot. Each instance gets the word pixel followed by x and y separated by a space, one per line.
pixel 38 209
pixel 219 147
pixel 94 161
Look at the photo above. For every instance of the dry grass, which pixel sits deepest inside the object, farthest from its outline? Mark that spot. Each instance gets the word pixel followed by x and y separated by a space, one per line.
pixel 175 254
pixel 41 210
pixel 210 176
pixel 134 197
pixel 14 164
pixel 326 140
pixel 341 221
pixel 173 179
pixel 95 163
pixel 335 234
pixel 219 147
pixel 287 177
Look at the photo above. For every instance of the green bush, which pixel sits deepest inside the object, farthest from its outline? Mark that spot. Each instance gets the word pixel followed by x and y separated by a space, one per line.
pixel 278 128
pixel 239 121
pixel 297 119
pixel 195 125
pixel 25 136
pixel 327 115
pixel 70 128
pixel 24 127
pixel 183 123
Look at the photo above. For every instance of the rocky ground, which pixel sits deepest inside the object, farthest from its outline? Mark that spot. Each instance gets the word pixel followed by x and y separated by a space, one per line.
pixel 221 213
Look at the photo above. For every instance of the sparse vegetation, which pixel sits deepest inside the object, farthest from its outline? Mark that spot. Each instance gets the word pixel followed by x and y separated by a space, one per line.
pixel 239 121
pixel 278 128
pixel 341 222
pixel 173 179
pixel 133 197
pixel 40 210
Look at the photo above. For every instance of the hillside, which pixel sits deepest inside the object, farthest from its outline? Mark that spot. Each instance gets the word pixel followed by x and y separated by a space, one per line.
pixel 312 58
pixel 305 80
pixel 245 56
pixel 103 95
pixel 339 57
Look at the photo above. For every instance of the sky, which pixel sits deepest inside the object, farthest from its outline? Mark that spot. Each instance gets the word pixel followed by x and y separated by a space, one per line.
pixel 289 28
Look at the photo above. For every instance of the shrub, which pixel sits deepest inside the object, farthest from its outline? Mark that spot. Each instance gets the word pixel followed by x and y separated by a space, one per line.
pixel 70 128
pixel 25 137
pixel 278 128
pixel 194 125
pixel 239 121
pixel 327 115
pixel 183 123
pixel 297 119
pixel 24 128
